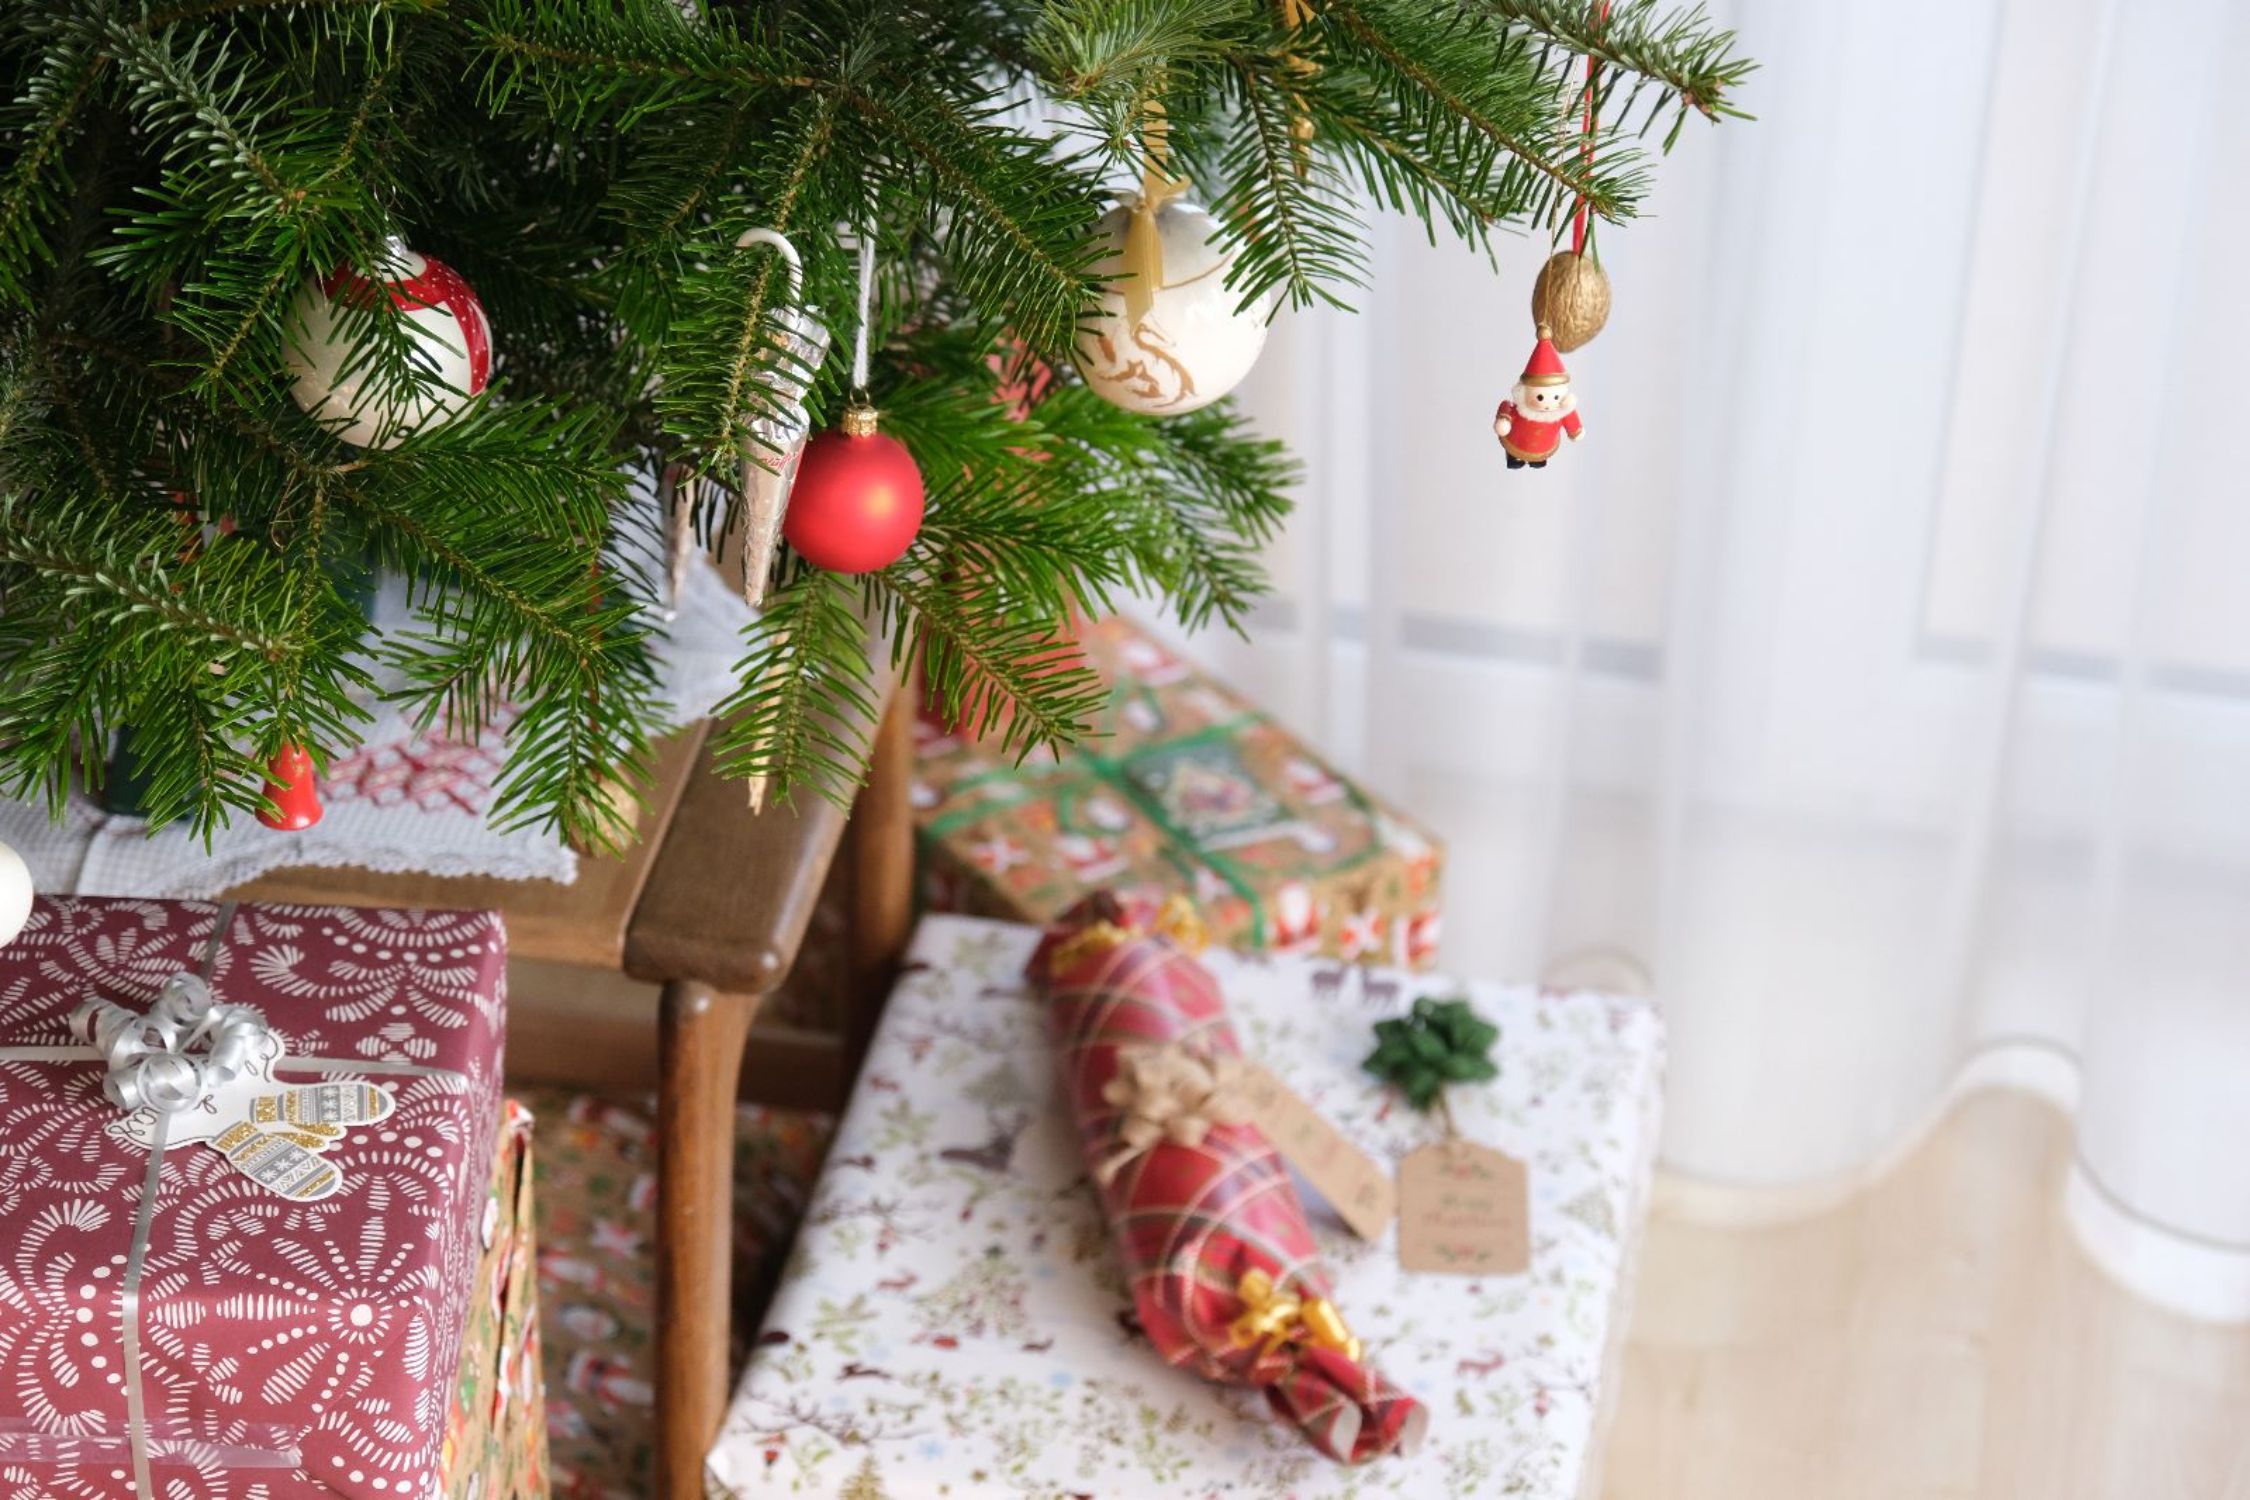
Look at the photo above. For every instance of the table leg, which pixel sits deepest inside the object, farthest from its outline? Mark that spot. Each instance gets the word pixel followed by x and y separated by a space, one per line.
pixel 700 1040
pixel 880 844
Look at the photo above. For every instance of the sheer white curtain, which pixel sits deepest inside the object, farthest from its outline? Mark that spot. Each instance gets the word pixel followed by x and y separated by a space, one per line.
pixel 1877 671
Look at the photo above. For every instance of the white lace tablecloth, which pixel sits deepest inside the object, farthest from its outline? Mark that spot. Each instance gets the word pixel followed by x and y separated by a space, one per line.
pixel 950 1322
pixel 403 801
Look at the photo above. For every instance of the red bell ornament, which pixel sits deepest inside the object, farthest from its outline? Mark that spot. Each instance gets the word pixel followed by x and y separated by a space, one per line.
pixel 293 790
pixel 858 500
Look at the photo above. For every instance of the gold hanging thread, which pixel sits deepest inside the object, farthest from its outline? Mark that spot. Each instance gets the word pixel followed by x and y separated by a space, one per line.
pixel 1295 15
pixel 1143 252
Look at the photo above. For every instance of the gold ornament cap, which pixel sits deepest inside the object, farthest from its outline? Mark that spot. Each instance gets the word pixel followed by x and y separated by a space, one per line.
pixel 861 420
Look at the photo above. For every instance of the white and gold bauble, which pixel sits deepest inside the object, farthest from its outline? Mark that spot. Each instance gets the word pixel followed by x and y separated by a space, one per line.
pixel 1184 344
pixel 449 339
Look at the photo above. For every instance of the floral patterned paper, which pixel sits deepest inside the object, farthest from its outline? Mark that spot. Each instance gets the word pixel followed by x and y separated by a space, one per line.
pixel 288 1349
pixel 496 1434
pixel 597 1268
pixel 954 1322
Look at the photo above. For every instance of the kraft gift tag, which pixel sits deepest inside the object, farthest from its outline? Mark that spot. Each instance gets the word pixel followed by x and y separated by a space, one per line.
pixel 1354 1184
pixel 1463 1208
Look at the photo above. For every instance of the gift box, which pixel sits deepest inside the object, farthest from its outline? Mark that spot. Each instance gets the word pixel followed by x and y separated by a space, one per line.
pixel 282 1317
pixel 955 1320
pixel 597 1269
pixel 1180 786
pixel 496 1436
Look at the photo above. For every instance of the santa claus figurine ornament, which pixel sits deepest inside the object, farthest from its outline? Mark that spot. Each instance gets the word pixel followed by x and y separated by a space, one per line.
pixel 1540 412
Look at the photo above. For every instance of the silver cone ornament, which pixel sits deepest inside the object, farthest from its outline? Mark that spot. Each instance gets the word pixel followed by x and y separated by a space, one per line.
pixel 774 440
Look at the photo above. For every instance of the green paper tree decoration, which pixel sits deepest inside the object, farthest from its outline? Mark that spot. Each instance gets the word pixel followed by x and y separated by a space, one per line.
pixel 1437 1043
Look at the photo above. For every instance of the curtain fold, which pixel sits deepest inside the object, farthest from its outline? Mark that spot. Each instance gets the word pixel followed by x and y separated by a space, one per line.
pixel 1877 671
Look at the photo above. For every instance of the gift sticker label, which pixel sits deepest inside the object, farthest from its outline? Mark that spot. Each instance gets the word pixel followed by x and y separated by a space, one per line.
pixel 1465 1209
pixel 1353 1182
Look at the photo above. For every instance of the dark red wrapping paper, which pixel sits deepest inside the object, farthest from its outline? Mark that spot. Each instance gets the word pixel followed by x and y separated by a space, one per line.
pixel 288 1349
pixel 1189 1221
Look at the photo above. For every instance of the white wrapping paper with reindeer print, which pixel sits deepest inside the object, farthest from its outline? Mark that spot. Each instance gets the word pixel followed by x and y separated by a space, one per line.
pixel 218 1338
pixel 953 1322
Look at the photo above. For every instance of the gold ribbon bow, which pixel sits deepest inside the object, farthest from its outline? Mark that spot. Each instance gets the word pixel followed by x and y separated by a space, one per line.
pixel 1177 920
pixel 1143 252
pixel 1172 1093
pixel 1272 1316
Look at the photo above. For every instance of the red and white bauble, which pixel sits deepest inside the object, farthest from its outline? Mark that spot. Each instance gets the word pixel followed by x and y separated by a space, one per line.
pixel 450 344
pixel 858 499
pixel 1194 343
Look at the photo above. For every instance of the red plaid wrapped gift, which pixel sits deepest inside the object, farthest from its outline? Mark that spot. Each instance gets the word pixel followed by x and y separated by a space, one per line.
pixel 282 1316
pixel 1225 1277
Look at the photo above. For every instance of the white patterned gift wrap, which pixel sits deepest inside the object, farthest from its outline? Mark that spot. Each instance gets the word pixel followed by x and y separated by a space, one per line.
pixel 953 1323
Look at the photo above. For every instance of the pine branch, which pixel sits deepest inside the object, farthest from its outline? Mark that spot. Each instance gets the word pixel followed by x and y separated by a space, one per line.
pixel 1094 50
pixel 1017 216
pixel 1685 53
pixel 996 673
pixel 1110 57
pixel 172 172
pixel 104 628
pixel 185 99
pixel 622 64
pixel 1485 84
pixel 78 557
pixel 39 125
pixel 722 360
pixel 806 701
pixel 1291 230
pixel 205 10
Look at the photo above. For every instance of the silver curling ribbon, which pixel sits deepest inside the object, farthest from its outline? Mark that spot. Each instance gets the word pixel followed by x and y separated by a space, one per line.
pixel 773 441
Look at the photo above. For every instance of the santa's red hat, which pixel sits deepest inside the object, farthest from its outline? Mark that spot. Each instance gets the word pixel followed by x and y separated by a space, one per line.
pixel 1545 366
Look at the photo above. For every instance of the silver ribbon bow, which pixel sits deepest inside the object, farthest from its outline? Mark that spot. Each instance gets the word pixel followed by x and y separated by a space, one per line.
pixel 188 1046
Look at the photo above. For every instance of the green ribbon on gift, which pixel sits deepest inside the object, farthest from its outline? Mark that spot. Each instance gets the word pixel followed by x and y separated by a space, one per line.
pixel 1437 1043
pixel 1085 770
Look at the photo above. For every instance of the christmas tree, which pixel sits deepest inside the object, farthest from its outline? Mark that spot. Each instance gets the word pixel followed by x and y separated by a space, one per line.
pixel 182 545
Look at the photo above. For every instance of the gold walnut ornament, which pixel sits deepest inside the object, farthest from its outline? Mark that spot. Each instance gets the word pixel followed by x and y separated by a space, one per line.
pixel 1571 296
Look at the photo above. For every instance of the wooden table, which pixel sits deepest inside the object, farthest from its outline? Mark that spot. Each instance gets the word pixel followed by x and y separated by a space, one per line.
pixel 711 905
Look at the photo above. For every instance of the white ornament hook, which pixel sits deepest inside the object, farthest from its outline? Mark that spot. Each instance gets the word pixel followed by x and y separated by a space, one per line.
pixel 775 240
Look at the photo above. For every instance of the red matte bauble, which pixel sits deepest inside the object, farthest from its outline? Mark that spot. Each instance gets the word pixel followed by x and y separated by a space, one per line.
pixel 292 789
pixel 857 503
